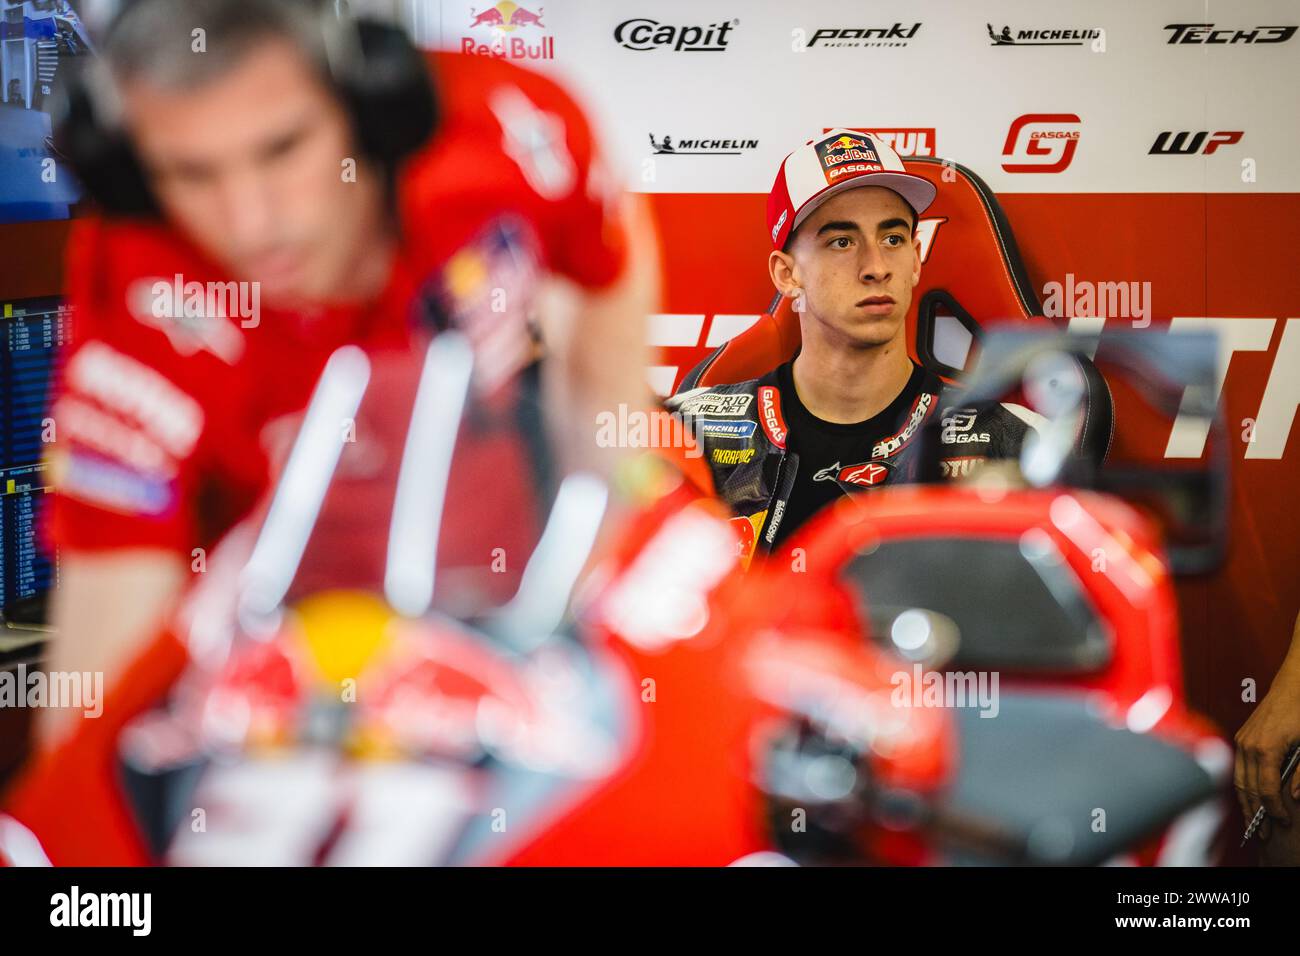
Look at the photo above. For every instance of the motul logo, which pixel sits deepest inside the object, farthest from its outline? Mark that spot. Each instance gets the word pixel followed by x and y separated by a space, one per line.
pixel 1045 142
pixel 1181 144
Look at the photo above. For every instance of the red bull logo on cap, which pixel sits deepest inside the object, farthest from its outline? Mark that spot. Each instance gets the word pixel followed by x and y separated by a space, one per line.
pixel 846 155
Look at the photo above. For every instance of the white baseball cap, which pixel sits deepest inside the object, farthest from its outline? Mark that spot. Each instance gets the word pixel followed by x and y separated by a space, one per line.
pixel 838 160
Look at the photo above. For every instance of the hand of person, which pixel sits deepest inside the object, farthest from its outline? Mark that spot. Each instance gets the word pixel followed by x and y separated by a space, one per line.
pixel 1264 741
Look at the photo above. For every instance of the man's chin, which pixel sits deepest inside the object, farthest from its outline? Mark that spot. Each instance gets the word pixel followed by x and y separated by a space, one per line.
pixel 872 331
pixel 281 295
pixel 284 291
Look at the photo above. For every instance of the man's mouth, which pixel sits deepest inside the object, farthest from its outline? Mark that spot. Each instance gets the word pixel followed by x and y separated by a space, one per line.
pixel 877 304
pixel 277 268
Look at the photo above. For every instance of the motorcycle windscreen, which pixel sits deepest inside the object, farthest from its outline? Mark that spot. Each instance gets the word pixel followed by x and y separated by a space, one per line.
pixel 1169 454
pixel 1132 412
pixel 1055 628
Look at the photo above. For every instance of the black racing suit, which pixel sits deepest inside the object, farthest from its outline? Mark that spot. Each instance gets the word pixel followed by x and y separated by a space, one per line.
pixel 745 433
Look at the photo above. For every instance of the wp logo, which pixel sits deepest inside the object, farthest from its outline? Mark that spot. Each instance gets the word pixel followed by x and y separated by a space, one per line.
pixel 1185 143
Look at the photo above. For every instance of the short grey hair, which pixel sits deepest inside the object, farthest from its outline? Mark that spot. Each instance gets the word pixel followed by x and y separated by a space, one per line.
pixel 153 40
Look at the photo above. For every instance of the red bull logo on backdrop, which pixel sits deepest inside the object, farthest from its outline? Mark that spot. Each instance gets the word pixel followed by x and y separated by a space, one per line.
pixel 496 28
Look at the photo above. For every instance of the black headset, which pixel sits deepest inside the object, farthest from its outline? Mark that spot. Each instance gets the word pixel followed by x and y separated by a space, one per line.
pixel 384 82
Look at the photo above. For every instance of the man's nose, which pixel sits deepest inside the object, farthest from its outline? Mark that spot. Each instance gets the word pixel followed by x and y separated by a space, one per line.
pixel 247 206
pixel 872 266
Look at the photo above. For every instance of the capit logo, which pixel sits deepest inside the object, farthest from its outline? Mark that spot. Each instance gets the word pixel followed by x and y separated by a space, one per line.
pixel 1041 142
pixel 641 33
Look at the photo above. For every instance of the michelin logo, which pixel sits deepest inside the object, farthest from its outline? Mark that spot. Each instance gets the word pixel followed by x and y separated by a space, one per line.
pixel 716 428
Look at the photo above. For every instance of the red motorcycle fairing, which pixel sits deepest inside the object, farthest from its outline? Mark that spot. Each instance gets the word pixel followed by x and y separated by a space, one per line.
pixel 702 687
pixel 745 711
pixel 718 685
pixel 936 547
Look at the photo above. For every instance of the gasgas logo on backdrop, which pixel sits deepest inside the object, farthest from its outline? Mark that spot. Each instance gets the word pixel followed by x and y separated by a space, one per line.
pixel 1041 142
pixel 508 31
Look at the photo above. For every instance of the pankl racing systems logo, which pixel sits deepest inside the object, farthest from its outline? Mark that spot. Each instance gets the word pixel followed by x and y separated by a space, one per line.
pixel 1043 142
pixel 504 19
pixel 904 140
pixel 897 35
pixel 844 155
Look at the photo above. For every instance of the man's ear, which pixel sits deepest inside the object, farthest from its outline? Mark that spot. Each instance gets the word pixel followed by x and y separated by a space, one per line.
pixel 916 259
pixel 780 266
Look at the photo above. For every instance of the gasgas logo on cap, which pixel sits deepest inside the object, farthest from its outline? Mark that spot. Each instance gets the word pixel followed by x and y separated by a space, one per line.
pixel 846 155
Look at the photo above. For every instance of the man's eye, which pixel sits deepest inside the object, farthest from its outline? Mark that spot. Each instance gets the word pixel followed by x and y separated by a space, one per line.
pixel 282 148
pixel 895 240
pixel 841 242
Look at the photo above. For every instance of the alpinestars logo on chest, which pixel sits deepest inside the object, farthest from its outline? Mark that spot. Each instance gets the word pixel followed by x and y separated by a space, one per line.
pixel 888 447
pixel 867 473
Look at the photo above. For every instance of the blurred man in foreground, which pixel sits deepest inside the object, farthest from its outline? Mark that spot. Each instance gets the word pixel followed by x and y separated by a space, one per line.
pixel 301 181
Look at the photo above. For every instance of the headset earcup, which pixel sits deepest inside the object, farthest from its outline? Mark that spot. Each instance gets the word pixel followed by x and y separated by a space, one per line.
pixel 391 94
pixel 102 159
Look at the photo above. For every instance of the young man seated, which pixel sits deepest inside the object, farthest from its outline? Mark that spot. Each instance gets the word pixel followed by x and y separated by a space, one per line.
pixel 841 416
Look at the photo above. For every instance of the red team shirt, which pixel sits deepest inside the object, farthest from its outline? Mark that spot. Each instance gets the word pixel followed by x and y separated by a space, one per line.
pixel 162 423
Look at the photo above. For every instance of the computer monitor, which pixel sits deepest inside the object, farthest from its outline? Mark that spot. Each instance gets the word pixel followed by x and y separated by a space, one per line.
pixel 31 333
